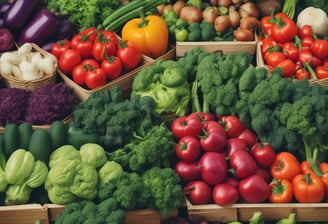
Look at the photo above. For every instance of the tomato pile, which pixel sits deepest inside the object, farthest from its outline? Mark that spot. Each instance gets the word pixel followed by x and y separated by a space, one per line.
pixel 93 57
pixel 297 51
pixel 220 160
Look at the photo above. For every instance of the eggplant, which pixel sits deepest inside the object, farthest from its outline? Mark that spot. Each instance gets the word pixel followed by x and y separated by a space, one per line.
pixel 4 6
pixel 43 24
pixel 6 40
pixel 65 29
pixel 19 13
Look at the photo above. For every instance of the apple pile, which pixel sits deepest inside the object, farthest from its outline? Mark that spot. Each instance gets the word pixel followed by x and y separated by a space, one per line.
pixel 220 160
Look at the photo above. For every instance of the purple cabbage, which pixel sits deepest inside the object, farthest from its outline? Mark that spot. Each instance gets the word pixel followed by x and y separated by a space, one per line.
pixel 13 103
pixel 50 103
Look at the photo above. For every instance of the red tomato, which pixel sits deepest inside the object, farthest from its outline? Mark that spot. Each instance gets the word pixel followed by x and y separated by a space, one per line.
pixel 91 63
pixel 306 43
pixel 83 45
pixel 263 154
pixel 291 51
pixel 225 194
pixel 186 126
pixel 305 31
pixel 68 60
pixel 243 164
pixel 103 47
pixel 269 45
pixel 306 56
pixel 266 24
pixel 265 173
pixel 91 33
pixel 188 149
pixel 302 73
pixel 198 192
pixel 187 171
pixel 273 58
pixel 249 137
pixel 233 145
pixel 95 78
pixel 283 28
pixel 214 137
pixel 321 72
pixel 288 67
pixel 203 116
pixel 213 168
pixel 129 55
pixel 79 73
pixel 232 125
pixel 59 47
pixel 232 181
pixel 112 66
pixel 254 189
pixel 319 48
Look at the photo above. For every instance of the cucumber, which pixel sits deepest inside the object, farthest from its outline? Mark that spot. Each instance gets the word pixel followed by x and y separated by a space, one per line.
pixel 77 137
pixel 10 139
pixel 25 133
pixel 40 145
pixel 58 134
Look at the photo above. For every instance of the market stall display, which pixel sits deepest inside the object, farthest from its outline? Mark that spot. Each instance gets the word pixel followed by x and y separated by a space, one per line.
pixel 163 112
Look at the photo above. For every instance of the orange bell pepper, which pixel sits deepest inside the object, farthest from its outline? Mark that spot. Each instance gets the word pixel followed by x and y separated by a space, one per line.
pixel 308 188
pixel 285 166
pixel 306 168
pixel 281 191
pixel 324 170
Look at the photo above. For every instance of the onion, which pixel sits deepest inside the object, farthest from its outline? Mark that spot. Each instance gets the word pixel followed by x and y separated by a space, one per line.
pixel 213 2
pixel 243 35
pixel 191 14
pixel 178 5
pixel 234 17
pixel 250 23
pixel 222 23
pixel 167 8
pixel 160 9
pixel 224 3
pixel 248 9
pixel 210 13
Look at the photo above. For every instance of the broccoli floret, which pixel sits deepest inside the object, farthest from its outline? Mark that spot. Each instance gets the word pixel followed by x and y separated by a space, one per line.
pixel 127 189
pixel 165 189
pixel 251 77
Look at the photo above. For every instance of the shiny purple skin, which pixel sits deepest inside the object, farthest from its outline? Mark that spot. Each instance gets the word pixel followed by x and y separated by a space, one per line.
pixel 4 6
pixel 39 28
pixel 6 40
pixel 19 13
pixel 65 29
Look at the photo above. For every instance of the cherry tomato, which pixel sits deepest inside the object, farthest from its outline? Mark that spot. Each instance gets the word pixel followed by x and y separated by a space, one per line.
pixel 273 58
pixel 321 72
pixel 306 43
pixel 83 45
pixel 198 192
pixel 288 67
pixel 305 31
pixel 59 47
pixel 95 78
pixel 306 56
pixel 91 63
pixel 103 47
pixel 91 33
pixel 302 73
pixel 225 194
pixel 291 51
pixel 129 55
pixel 112 66
pixel 188 149
pixel 68 60
pixel 263 154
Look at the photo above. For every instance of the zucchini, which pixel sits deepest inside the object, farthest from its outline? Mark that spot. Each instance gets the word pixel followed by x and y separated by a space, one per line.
pixel 78 137
pixel 58 134
pixel 10 139
pixel 25 132
pixel 40 145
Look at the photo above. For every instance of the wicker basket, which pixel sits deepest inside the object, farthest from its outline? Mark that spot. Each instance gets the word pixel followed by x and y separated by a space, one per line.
pixel 10 81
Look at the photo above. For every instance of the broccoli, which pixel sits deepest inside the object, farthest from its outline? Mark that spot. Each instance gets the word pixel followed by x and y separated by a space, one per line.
pixel 144 152
pixel 127 189
pixel 115 119
pixel 87 212
pixel 165 189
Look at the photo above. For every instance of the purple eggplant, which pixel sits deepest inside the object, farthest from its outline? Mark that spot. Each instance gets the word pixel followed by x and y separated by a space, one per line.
pixel 4 6
pixel 19 13
pixel 39 28
pixel 6 40
pixel 65 29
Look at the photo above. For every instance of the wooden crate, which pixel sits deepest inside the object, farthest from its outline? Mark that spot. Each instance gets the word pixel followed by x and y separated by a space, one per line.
pixel 23 214
pixel 225 47
pixel 145 216
pixel 305 212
